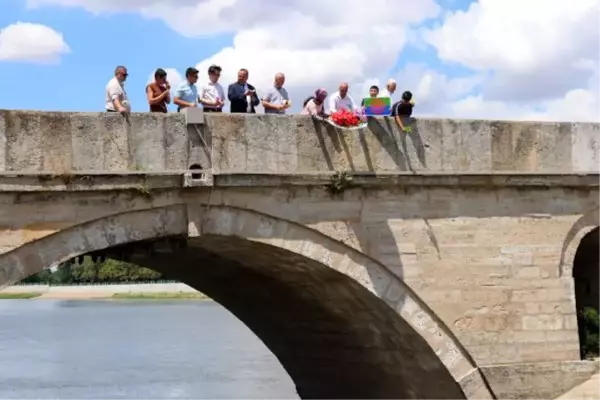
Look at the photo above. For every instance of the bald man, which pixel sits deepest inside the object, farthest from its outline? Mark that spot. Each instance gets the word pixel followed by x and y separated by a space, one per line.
pixel 390 88
pixel 341 100
pixel 277 100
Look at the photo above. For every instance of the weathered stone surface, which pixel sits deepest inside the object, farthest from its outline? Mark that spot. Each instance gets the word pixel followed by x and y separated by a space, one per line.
pixel 588 390
pixel 538 381
pixel 43 141
pixel 444 273
pixel 342 342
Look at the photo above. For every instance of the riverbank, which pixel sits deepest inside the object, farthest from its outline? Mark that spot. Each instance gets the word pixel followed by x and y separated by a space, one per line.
pixel 143 291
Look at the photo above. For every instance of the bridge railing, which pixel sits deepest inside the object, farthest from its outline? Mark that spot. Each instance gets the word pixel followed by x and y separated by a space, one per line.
pixel 64 143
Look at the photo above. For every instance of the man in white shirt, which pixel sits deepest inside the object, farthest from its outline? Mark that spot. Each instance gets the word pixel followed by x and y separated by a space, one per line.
pixel 212 95
pixel 116 97
pixel 341 100
pixel 390 88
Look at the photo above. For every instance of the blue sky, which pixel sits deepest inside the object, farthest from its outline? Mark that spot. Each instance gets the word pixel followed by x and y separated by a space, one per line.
pixel 77 82
pixel 454 74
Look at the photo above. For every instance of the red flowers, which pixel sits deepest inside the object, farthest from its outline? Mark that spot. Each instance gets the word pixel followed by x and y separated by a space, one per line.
pixel 345 118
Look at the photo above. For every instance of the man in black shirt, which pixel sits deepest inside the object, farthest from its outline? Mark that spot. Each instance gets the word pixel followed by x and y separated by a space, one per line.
pixel 402 111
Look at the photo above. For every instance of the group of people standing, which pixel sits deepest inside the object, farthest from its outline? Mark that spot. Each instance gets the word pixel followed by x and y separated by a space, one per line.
pixel 242 96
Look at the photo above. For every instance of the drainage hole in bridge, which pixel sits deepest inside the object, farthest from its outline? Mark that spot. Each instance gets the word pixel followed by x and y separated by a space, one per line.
pixel 196 167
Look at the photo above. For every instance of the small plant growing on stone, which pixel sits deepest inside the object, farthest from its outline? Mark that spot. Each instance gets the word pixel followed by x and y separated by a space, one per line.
pixel 66 177
pixel 86 178
pixel 144 191
pixel 338 183
pixel 589 325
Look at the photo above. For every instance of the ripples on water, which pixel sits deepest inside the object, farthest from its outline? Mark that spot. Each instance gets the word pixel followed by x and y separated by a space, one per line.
pixel 126 349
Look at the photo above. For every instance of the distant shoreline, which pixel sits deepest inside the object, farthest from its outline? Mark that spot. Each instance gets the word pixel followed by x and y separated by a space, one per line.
pixel 143 291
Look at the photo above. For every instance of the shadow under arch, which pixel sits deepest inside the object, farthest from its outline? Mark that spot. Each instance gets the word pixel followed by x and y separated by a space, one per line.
pixel 340 324
pixel 586 276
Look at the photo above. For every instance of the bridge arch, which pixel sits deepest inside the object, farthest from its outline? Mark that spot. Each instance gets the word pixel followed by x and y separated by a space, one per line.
pixel 339 322
pixel 586 223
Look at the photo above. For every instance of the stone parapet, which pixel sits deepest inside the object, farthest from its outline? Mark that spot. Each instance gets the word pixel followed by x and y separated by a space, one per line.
pixel 33 141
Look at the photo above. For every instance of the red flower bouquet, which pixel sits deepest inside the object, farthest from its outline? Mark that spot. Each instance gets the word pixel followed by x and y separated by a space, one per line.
pixel 346 118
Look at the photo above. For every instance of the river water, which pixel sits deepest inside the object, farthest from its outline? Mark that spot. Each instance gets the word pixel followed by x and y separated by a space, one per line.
pixel 132 349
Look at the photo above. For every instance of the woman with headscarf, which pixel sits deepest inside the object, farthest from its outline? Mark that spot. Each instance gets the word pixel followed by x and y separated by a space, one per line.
pixel 314 104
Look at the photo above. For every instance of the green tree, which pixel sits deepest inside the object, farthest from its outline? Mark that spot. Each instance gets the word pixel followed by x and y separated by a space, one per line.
pixel 589 326
pixel 88 271
pixel 63 274
pixel 43 277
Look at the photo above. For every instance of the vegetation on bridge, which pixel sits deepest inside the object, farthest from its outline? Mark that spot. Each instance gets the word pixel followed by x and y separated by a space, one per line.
pixel 589 326
pixel 88 271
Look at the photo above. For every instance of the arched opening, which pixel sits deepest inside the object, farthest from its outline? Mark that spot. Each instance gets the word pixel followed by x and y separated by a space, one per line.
pixel 339 323
pixel 586 268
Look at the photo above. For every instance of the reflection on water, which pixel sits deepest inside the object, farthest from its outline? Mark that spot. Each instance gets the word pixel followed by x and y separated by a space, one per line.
pixel 125 349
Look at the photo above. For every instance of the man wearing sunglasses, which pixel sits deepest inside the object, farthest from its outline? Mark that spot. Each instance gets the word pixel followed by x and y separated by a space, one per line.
pixel 116 96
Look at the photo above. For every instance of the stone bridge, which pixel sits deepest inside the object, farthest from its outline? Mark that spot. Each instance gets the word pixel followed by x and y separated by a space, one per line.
pixel 446 263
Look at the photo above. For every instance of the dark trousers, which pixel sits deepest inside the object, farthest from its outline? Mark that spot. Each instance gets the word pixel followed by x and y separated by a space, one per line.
pixel 205 109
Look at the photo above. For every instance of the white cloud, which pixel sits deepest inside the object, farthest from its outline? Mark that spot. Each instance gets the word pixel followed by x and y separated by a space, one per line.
pixel 29 42
pixel 433 91
pixel 188 17
pixel 527 58
pixel 519 36
pixel 315 43
pixel 542 55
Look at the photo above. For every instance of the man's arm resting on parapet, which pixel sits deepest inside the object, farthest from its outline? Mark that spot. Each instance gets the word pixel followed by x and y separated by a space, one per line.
pixel 117 104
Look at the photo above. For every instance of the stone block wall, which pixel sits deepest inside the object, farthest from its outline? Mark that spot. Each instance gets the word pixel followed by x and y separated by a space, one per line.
pixel 64 142
pixel 489 260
